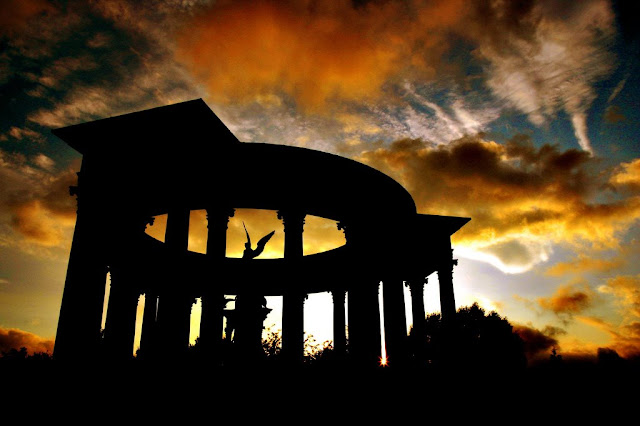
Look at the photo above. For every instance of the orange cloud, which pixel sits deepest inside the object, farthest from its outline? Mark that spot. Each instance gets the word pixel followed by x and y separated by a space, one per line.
pixel 35 201
pixel 626 289
pixel 313 51
pixel 13 338
pixel 16 13
pixel 33 221
pixel 45 218
pixel 627 175
pixel 570 299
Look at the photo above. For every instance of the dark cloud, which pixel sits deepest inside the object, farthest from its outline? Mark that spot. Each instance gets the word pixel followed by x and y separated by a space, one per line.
pixel 538 343
pixel 15 14
pixel 521 198
pixel 91 60
pixel 13 338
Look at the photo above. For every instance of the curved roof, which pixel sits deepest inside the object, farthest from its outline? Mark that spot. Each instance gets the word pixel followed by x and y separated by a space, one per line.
pixel 183 155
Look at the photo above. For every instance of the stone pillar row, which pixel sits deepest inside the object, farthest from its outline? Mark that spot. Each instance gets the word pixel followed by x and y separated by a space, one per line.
pixel 293 301
pixel 214 302
pixel 166 320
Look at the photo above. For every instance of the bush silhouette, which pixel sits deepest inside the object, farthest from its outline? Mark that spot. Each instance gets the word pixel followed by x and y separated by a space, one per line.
pixel 472 340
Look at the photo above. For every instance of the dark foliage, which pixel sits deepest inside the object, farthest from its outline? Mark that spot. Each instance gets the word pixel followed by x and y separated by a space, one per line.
pixel 474 341
pixel 22 355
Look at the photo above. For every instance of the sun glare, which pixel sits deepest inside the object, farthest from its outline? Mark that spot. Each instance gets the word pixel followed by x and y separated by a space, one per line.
pixel 383 346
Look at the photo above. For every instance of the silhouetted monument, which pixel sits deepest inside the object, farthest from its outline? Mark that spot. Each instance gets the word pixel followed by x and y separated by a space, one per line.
pixel 178 158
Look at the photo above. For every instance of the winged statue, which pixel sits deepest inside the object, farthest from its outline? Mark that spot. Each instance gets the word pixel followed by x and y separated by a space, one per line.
pixel 250 253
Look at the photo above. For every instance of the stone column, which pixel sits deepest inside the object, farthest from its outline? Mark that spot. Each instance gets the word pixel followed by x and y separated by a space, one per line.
pixel 176 235
pixel 445 278
pixel 416 287
pixel 213 300
pixel 293 301
pixel 217 224
pixel 148 335
pixel 339 322
pixel 395 322
pixel 174 304
pixel 364 323
pixel 174 324
pixel 293 327
pixel 293 222
pixel 78 333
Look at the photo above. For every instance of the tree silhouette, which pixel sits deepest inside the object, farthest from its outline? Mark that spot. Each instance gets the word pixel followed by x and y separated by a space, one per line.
pixel 473 340
pixel 272 344
pixel 22 354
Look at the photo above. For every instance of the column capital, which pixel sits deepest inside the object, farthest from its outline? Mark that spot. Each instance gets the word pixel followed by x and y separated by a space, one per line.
pixel 219 216
pixel 223 212
pixel 449 264
pixel 346 228
pixel 294 218
pixel 417 284
pixel 339 295
pixel 293 221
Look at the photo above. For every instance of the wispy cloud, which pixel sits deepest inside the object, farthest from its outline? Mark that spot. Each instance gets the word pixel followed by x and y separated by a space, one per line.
pixel 552 62
pixel 583 264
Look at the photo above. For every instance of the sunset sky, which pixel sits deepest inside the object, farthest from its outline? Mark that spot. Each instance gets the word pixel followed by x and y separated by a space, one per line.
pixel 522 115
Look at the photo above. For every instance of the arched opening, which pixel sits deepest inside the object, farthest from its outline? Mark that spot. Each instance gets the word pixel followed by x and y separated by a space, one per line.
pixel 320 234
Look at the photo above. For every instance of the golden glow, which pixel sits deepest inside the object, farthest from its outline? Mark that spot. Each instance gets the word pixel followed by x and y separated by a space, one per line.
pixel 259 223
pixel 138 329
pixel 198 231
pixel 321 234
pixel 159 227
pixel 196 315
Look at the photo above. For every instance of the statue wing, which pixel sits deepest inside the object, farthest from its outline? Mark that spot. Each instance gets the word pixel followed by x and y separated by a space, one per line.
pixel 263 241
pixel 247 232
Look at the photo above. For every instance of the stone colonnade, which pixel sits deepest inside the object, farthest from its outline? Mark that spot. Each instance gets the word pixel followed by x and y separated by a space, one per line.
pixel 167 311
pixel 166 319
